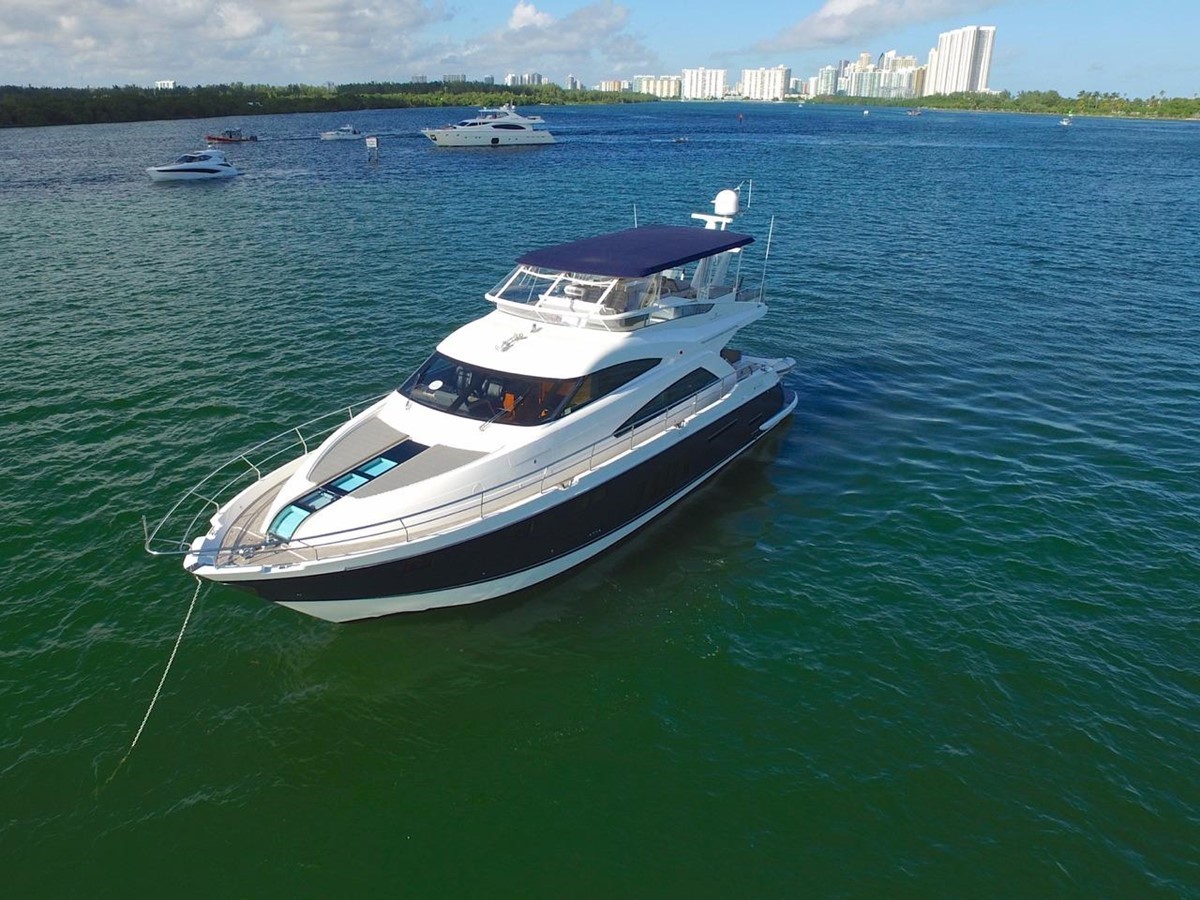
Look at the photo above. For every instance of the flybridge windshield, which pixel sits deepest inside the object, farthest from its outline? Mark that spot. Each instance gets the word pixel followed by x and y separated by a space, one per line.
pixel 461 389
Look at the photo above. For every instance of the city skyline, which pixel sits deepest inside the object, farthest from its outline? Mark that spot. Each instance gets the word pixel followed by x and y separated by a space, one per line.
pixel 1055 46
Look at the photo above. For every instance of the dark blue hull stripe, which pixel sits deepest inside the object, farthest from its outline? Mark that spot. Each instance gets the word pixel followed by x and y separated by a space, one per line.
pixel 552 533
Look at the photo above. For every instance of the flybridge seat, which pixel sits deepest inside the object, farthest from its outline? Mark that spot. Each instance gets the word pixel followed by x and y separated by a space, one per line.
pixel 624 280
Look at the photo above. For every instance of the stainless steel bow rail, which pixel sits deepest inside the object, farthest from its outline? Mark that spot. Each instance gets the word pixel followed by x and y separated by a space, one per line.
pixel 233 476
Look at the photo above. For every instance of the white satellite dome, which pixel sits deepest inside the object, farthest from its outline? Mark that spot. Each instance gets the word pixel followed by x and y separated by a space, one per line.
pixel 726 203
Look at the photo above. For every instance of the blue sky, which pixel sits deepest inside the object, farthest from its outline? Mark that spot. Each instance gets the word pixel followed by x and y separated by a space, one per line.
pixel 1134 48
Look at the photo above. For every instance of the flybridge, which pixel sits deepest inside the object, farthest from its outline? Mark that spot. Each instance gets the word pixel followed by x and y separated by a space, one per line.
pixel 633 278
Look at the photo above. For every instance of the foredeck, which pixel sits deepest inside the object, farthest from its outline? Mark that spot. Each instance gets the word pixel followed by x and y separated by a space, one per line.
pixel 243 545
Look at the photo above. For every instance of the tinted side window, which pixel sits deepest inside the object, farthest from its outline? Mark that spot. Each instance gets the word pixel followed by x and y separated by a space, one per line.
pixel 604 382
pixel 696 380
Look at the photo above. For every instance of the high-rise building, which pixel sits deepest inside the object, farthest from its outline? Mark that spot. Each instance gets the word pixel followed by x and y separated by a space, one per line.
pixel 827 82
pixel 766 84
pixel 961 61
pixel 668 87
pixel 703 84
pixel 512 79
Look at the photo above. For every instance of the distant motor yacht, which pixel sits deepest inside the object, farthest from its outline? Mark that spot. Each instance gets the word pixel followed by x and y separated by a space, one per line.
pixel 199 165
pixel 231 136
pixel 494 127
pixel 598 393
pixel 344 133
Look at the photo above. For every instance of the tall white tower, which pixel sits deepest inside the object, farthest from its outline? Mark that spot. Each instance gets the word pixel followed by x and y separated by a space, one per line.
pixel 703 84
pixel 962 60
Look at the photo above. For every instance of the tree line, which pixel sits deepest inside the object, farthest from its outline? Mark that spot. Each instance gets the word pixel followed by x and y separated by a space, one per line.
pixel 37 106
pixel 1087 103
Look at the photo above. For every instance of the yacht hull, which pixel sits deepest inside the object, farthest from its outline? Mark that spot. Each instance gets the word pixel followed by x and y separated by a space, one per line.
pixel 530 550
pixel 453 138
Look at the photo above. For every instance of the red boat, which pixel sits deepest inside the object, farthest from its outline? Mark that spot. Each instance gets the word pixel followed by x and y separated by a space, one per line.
pixel 230 136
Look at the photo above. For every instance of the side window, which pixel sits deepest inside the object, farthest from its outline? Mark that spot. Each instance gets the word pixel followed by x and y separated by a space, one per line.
pixel 696 380
pixel 604 382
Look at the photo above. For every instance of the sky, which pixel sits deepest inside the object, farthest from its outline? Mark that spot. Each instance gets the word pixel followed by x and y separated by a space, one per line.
pixel 1137 49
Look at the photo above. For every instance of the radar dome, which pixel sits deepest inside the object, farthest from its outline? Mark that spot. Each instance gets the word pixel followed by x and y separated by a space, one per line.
pixel 726 203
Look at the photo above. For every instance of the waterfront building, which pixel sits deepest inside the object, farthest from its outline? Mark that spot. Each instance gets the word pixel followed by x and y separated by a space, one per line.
pixel 164 85
pixel 826 82
pixel 573 84
pixel 962 60
pixel 668 87
pixel 418 79
pixel 766 84
pixel 512 79
pixel 703 84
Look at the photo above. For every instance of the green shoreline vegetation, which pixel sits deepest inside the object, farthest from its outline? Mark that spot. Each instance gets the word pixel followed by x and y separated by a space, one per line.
pixel 34 106
pixel 38 106
pixel 1085 103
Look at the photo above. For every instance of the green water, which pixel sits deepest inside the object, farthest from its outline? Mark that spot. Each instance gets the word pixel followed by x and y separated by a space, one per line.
pixel 939 638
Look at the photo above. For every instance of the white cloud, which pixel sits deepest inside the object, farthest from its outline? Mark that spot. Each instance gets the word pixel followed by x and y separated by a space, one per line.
pixel 847 21
pixel 101 42
pixel 57 42
pixel 526 14
pixel 236 23
pixel 592 39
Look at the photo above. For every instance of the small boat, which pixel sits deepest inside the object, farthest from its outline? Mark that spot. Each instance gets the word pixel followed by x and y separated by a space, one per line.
pixel 596 394
pixel 914 112
pixel 502 126
pixel 345 133
pixel 231 136
pixel 1067 120
pixel 200 165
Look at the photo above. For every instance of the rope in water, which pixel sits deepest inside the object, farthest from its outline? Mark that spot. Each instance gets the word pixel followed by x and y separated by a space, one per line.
pixel 161 682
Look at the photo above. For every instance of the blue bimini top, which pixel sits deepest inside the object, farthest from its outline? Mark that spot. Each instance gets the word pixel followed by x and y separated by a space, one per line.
pixel 636 252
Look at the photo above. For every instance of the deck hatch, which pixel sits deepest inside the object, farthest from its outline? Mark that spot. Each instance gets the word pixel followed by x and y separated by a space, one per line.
pixel 284 525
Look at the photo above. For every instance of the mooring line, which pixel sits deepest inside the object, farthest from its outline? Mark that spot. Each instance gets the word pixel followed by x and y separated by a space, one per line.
pixel 161 682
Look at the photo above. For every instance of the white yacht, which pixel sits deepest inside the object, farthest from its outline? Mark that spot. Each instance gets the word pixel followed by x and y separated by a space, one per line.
pixel 598 392
pixel 499 127
pixel 344 133
pixel 199 165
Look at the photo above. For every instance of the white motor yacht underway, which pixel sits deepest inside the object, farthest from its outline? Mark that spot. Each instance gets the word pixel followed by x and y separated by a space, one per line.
pixel 499 127
pixel 598 392
pixel 200 165
pixel 344 133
